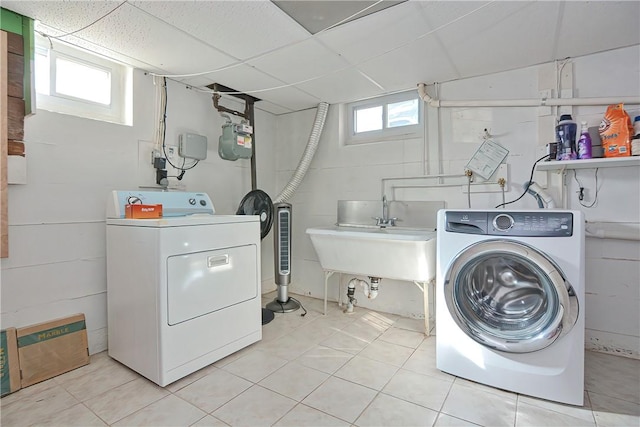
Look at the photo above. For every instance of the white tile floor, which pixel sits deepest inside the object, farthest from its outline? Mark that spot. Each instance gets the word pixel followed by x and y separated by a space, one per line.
pixel 364 369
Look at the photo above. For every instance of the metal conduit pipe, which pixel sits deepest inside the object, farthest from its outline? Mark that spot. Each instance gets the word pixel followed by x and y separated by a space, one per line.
pixel 307 156
pixel 531 102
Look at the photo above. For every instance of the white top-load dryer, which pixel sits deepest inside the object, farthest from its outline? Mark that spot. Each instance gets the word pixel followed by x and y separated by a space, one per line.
pixel 183 291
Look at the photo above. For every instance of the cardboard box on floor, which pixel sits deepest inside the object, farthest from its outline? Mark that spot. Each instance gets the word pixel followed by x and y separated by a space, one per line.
pixel 9 364
pixel 52 348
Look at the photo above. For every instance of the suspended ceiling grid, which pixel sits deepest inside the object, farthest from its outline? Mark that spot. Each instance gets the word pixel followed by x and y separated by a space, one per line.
pixel 255 45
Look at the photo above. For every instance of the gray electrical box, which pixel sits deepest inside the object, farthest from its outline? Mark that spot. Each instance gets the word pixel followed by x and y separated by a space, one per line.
pixel 192 146
pixel 236 141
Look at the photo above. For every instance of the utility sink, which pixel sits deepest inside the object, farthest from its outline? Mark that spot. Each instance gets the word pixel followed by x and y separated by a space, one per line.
pixel 392 252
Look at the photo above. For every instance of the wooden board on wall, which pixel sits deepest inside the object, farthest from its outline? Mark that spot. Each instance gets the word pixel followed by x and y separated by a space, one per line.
pixel 15 43
pixel 15 118
pixel 15 70
pixel 4 211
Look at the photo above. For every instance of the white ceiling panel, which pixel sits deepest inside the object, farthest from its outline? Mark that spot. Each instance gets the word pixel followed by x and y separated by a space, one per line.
pixel 253 82
pixel 291 98
pixel 421 61
pixel 196 81
pixel 150 40
pixel 271 108
pixel 118 56
pixel 368 36
pixel 603 23
pixel 241 77
pixel 302 61
pixel 386 51
pixel 65 16
pixel 479 22
pixel 505 36
pixel 343 86
pixel 228 25
pixel 439 14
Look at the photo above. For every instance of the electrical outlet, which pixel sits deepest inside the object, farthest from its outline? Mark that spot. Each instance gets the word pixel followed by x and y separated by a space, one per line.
pixel 545 110
pixel 147 153
pixel 154 155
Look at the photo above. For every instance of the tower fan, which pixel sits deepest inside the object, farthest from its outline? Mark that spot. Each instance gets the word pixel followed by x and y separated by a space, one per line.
pixel 282 256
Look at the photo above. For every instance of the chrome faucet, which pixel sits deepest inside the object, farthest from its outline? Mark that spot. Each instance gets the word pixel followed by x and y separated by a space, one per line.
pixel 385 220
pixel 385 207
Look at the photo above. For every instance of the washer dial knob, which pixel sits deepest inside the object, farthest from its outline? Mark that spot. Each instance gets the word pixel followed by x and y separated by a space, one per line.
pixel 503 222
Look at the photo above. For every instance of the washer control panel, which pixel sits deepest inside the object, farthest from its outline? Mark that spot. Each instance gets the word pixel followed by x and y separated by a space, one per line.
pixel 511 223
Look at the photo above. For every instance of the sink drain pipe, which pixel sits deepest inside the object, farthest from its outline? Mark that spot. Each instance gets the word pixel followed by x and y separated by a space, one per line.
pixel 370 290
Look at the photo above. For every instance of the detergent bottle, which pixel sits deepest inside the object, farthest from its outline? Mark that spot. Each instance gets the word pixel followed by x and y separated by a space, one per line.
pixel 584 143
pixel 566 136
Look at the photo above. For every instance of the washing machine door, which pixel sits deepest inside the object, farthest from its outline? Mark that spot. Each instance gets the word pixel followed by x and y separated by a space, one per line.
pixel 509 296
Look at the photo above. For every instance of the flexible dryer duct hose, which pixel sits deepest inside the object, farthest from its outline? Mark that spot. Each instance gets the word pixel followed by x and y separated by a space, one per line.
pixel 307 156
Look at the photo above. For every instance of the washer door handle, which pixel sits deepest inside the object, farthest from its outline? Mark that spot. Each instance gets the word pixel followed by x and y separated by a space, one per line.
pixel 217 260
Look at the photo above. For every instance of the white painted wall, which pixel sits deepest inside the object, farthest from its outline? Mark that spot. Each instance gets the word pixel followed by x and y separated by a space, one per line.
pixel 355 172
pixel 56 265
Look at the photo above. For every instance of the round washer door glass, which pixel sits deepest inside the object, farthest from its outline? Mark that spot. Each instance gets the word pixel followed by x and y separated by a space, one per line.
pixel 509 296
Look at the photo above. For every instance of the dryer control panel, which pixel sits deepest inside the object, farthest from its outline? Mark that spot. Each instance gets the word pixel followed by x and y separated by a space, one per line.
pixel 174 204
pixel 511 223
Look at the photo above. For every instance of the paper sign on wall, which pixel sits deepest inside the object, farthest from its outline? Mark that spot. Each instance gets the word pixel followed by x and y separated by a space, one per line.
pixel 487 158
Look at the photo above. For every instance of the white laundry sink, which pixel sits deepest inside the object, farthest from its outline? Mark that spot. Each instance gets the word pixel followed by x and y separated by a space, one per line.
pixel 392 253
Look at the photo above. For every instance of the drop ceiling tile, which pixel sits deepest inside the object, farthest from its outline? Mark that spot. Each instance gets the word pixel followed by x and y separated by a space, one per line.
pixel 606 25
pixel 255 83
pixel 377 33
pixel 242 29
pixel 200 82
pixel 343 86
pixel 421 61
pixel 151 40
pixel 439 14
pixel 250 81
pixel 272 108
pixel 299 62
pixel 292 98
pixel 240 77
pixel 117 56
pixel 502 36
pixel 65 16
pixel 449 40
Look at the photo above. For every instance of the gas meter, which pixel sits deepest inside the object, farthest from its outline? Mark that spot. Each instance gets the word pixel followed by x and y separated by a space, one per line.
pixel 236 141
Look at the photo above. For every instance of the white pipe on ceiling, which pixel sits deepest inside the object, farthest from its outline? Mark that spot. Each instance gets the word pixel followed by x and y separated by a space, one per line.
pixel 531 102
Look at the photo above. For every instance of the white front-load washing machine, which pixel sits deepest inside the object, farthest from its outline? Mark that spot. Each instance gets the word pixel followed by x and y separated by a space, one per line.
pixel 183 291
pixel 510 300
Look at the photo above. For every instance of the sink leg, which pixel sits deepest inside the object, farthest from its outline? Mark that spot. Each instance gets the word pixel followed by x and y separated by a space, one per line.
pixel 424 287
pixel 427 315
pixel 327 274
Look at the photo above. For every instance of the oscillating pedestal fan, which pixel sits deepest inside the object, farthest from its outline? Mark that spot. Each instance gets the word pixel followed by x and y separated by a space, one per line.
pixel 257 202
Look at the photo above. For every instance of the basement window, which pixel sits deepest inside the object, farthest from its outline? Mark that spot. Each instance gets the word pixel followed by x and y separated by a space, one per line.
pixel 76 82
pixel 383 118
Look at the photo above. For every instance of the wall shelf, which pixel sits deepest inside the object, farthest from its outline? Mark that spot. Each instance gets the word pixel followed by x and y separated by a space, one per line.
pixel 611 162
